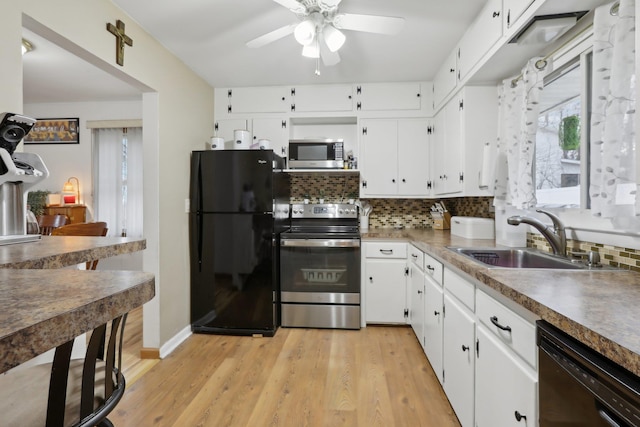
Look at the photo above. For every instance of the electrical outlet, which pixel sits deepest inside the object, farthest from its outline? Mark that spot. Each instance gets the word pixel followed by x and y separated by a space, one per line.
pixel 187 205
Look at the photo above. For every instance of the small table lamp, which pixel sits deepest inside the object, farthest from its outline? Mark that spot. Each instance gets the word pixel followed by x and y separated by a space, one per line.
pixel 69 192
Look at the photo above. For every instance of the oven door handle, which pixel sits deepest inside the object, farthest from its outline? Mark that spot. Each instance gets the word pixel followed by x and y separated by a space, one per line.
pixel 322 243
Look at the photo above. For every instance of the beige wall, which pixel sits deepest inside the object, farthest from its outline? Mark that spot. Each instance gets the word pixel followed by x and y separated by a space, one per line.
pixel 177 115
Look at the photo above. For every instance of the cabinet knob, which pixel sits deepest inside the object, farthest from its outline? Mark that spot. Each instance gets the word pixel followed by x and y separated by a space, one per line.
pixel 393 180
pixel 465 347
pixel 451 70
pixel 496 14
pixel 430 268
pixel 404 180
pixel 371 279
pixel 436 313
pixel 419 291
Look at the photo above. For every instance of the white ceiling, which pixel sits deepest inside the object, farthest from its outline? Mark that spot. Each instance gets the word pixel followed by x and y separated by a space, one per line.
pixel 210 37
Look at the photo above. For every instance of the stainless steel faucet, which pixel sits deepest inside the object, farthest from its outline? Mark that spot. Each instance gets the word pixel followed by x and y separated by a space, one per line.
pixel 556 236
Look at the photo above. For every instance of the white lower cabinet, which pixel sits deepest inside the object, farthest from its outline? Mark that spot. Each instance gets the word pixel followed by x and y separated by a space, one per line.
pixel 483 353
pixel 433 325
pixel 385 282
pixel 417 301
pixel 506 388
pixel 459 358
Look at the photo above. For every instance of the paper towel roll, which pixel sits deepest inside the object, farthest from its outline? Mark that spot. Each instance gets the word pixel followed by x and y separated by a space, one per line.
pixel 486 170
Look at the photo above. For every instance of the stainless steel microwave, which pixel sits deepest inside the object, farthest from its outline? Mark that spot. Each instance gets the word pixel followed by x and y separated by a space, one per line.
pixel 316 153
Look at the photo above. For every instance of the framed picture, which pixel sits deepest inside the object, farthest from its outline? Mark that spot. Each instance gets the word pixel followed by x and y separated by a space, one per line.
pixel 54 131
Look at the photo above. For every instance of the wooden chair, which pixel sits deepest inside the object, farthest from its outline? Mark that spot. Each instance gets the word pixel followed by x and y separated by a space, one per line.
pixel 48 223
pixel 81 392
pixel 83 229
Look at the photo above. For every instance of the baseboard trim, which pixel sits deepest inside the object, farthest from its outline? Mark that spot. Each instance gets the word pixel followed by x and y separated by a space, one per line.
pixel 174 342
pixel 149 353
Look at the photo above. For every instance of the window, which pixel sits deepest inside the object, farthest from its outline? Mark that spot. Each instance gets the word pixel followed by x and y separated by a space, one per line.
pixel 562 148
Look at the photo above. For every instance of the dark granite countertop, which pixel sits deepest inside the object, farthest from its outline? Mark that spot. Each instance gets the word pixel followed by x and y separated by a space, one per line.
pixel 63 251
pixel 599 308
pixel 41 309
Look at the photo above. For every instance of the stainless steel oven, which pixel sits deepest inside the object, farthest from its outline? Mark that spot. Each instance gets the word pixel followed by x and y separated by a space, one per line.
pixel 320 267
pixel 579 387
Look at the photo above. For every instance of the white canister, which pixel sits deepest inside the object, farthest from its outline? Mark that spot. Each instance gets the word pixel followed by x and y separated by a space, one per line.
pixel 364 222
pixel 242 139
pixel 264 144
pixel 217 143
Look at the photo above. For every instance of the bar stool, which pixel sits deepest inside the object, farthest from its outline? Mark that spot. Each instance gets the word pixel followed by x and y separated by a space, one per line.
pixel 83 229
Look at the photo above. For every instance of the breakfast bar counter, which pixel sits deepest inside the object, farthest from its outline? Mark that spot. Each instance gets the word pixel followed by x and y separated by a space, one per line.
pixel 598 308
pixel 42 309
pixel 63 251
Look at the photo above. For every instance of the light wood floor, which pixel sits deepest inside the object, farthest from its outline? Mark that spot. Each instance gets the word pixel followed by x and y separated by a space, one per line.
pixel 377 376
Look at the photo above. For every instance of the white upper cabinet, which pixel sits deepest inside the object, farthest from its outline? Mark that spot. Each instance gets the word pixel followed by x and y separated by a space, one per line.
pixel 321 98
pixel 446 79
pixel 388 96
pixel 514 9
pixel 264 99
pixel 463 127
pixel 275 130
pixel 394 158
pixel 485 31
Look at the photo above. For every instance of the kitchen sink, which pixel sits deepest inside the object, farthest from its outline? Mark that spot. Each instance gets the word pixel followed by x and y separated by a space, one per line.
pixel 521 258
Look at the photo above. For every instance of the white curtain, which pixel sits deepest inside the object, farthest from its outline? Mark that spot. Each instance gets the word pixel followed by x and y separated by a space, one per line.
pixel 614 186
pixel 118 177
pixel 519 108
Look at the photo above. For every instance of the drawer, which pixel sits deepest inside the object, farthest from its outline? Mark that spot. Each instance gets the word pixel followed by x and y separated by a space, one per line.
pixel 416 256
pixel 385 250
pixel 521 336
pixel 460 288
pixel 433 268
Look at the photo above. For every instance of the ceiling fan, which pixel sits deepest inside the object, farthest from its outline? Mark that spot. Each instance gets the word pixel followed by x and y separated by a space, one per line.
pixel 319 28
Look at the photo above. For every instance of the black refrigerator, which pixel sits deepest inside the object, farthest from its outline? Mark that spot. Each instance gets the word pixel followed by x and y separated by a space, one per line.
pixel 239 205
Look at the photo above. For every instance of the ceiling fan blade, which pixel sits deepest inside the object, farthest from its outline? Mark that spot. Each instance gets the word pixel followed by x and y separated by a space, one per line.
pixel 272 36
pixel 389 25
pixel 292 5
pixel 328 58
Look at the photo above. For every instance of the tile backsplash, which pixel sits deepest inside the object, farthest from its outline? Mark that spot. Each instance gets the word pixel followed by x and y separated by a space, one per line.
pixel 385 213
pixel 626 258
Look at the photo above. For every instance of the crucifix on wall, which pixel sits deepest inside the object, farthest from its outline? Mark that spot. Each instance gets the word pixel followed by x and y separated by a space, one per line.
pixel 121 39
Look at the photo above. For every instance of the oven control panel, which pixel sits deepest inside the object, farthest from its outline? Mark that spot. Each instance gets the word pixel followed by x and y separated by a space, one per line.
pixel 324 210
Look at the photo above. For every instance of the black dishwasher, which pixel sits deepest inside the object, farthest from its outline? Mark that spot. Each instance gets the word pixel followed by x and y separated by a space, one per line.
pixel 579 387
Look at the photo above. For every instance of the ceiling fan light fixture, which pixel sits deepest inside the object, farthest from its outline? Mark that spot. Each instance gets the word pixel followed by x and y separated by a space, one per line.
pixel 333 37
pixel 305 32
pixel 311 51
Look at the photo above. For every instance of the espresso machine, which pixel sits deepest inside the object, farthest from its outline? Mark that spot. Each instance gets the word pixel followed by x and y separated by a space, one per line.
pixel 18 173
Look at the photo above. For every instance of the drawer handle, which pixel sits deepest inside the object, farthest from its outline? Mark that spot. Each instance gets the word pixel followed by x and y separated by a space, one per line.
pixel 465 347
pixel 494 320
pixel 431 268
pixel 414 256
pixel 386 251
pixel 520 417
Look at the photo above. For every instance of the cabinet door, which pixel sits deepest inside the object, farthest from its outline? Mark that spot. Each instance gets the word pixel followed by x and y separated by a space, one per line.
pixel 413 158
pixel 485 31
pixel 459 359
pixel 224 128
pixel 448 148
pixel 446 79
pixel 268 99
pixel 388 96
pixel 275 130
pixel 379 158
pixel 386 292
pixel 504 385
pixel 514 9
pixel 416 312
pixel 319 98
pixel 433 325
